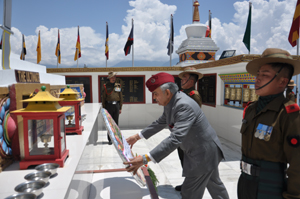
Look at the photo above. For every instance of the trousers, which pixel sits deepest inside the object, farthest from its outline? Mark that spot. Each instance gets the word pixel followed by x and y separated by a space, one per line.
pixel 193 187
pixel 113 110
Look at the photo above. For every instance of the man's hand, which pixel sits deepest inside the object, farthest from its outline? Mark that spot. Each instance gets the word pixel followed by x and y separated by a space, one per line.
pixel 120 111
pixel 134 164
pixel 133 139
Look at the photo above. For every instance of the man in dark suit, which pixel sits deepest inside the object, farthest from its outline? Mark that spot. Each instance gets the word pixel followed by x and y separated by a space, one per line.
pixel 191 132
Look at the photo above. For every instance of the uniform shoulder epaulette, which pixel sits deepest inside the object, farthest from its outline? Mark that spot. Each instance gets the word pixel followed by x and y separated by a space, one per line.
pixel 193 93
pixel 248 104
pixel 291 107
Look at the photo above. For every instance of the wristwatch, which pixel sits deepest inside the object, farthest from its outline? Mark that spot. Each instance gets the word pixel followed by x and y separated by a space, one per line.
pixel 145 161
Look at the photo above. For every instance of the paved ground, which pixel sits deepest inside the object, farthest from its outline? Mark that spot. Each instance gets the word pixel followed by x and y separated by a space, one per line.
pixel 103 156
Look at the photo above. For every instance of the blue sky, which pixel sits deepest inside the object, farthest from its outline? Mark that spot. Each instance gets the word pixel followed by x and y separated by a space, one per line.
pixel 271 21
pixel 94 13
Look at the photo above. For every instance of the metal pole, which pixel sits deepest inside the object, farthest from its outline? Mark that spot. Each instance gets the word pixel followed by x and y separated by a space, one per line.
pixel 57 61
pixel 106 62
pixel 171 45
pixel 297 78
pixel 77 56
pixel 132 45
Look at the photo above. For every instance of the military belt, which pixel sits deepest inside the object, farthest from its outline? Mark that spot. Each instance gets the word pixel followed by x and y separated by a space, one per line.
pixel 112 102
pixel 249 169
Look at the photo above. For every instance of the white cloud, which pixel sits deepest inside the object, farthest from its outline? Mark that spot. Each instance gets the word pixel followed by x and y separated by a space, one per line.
pixel 271 21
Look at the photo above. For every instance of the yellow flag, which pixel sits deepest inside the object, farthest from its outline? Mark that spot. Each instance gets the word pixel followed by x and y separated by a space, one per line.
pixel 78 48
pixel 23 51
pixel 38 50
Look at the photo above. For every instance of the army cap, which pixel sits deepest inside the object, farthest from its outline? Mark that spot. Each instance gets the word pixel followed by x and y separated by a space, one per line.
pixel 190 70
pixel 291 83
pixel 158 79
pixel 111 74
pixel 273 55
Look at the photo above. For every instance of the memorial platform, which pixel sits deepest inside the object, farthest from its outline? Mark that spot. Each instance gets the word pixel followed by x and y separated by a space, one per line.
pixel 95 171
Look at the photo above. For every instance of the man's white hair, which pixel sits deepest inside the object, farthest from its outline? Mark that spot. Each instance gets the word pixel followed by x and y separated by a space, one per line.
pixel 171 86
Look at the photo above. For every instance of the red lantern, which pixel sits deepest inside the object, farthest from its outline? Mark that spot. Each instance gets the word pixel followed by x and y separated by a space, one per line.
pixel 44 139
pixel 73 115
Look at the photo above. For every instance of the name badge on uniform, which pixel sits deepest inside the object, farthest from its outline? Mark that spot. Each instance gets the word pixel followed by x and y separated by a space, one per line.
pixel 263 132
pixel 117 89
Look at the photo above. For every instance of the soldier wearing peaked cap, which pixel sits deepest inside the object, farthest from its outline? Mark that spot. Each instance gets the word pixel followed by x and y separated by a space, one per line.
pixel 112 99
pixel 289 91
pixel 190 131
pixel 189 77
pixel 271 131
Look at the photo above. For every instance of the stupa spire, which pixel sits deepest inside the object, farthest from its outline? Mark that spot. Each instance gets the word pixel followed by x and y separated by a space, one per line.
pixel 196 16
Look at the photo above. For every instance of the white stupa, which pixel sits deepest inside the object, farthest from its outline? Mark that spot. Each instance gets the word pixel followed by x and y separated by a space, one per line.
pixel 197 48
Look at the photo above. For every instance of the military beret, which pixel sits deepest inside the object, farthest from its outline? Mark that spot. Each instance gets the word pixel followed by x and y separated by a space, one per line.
pixel 158 79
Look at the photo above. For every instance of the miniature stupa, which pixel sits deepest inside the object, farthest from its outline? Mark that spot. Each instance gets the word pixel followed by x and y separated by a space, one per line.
pixel 196 48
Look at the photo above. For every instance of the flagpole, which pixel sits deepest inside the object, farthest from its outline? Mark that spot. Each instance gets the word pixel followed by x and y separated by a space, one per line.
pixel 171 46
pixel 57 61
pixel 250 4
pixel 106 44
pixel 297 78
pixel 77 56
pixel 132 45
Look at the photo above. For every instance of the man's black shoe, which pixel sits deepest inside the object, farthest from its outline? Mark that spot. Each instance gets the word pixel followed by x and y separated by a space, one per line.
pixel 109 142
pixel 178 188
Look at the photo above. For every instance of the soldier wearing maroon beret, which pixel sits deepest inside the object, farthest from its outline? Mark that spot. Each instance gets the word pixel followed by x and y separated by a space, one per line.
pixel 190 131
pixel 271 131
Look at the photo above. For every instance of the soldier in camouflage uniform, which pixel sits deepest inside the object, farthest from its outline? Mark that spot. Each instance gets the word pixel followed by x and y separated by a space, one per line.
pixel 289 91
pixel 271 131
pixel 189 77
pixel 112 99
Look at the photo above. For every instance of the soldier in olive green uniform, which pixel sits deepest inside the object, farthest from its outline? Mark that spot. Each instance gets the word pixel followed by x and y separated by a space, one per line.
pixel 189 78
pixel 112 99
pixel 271 132
pixel 289 91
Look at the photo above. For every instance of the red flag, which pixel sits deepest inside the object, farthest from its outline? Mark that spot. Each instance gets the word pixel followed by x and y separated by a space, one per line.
pixel 1 43
pixel 129 42
pixel 294 32
pixel 207 33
